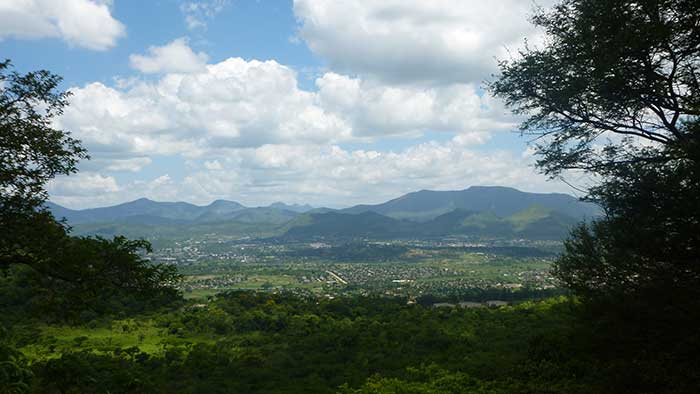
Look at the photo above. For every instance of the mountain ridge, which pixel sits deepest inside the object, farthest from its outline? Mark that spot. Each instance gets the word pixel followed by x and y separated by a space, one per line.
pixel 504 201
pixel 478 210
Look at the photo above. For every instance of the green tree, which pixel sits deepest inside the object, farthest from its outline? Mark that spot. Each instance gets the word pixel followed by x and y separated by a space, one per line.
pixel 617 81
pixel 67 274
pixel 615 92
pixel 32 152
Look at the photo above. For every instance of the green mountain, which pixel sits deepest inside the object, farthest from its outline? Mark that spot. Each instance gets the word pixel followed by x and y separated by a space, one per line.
pixel 152 220
pixel 340 225
pixel 148 212
pixel 477 211
pixel 426 205
pixel 531 223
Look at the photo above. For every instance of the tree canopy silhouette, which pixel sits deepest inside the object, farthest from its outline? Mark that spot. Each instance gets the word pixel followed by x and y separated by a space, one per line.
pixel 615 82
pixel 69 274
pixel 615 91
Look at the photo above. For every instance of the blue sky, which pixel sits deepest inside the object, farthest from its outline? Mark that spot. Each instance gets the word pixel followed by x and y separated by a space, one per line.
pixel 320 101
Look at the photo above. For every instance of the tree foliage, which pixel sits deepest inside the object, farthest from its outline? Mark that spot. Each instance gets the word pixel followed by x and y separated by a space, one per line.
pixel 615 91
pixel 246 342
pixel 616 81
pixel 32 152
pixel 44 270
pixel 84 278
pixel 649 242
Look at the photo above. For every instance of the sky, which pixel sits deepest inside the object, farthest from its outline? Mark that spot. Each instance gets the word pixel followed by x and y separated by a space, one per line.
pixel 326 102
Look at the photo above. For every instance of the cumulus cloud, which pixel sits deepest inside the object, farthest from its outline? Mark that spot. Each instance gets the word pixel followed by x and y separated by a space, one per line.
pixel 238 103
pixel 89 190
pixel 326 175
pixel 134 164
pixel 213 165
pixel 84 23
pixel 233 103
pixel 442 41
pixel 84 184
pixel 175 57
pixel 379 109
pixel 355 176
pixel 247 131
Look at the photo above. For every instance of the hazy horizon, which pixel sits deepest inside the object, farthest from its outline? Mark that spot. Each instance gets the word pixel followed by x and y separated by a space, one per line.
pixel 256 205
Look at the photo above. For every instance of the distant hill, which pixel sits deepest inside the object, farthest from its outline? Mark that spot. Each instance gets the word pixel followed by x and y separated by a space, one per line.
pixel 479 211
pixel 426 205
pixel 531 223
pixel 334 224
pixel 142 207
pixel 147 211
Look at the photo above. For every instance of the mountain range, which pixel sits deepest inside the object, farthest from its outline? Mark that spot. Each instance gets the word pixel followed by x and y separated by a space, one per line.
pixel 479 211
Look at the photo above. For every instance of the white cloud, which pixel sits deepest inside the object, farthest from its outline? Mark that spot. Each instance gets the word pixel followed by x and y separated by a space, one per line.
pixel 174 57
pixel 238 103
pixel 324 175
pixel 354 176
pixel 83 23
pixel 134 164
pixel 248 132
pixel 379 109
pixel 233 103
pixel 85 184
pixel 198 13
pixel 443 41
pixel 89 190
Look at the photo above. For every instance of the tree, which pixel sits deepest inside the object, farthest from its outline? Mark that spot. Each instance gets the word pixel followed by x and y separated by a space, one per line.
pixel 647 248
pixel 32 152
pixel 95 277
pixel 67 274
pixel 616 82
pixel 615 92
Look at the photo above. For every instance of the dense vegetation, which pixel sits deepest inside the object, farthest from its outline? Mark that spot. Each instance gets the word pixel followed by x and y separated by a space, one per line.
pixel 615 93
pixel 282 343
pixel 45 272
pixel 255 342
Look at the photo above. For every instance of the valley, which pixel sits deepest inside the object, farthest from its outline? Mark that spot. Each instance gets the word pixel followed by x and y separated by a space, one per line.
pixel 449 269
pixel 472 245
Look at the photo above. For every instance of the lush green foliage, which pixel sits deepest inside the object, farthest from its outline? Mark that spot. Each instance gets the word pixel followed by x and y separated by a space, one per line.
pixel 280 343
pixel 621 68
pixel 629 68
pixel 31 152
pixel 79 279
pixel 45 272
pixel 649 242
pixel 625 71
